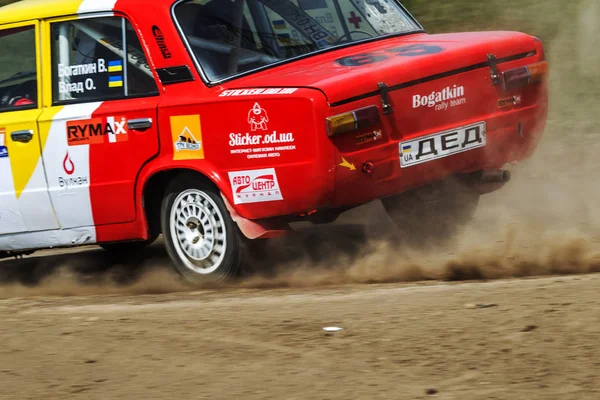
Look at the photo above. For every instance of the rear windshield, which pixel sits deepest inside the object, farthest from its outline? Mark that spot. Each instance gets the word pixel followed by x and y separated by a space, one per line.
pixel 229 37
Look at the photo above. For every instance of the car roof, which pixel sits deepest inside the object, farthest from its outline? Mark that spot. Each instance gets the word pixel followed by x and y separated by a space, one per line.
pixel 26 10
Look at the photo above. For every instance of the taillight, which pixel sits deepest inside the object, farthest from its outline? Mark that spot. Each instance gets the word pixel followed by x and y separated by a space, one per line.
pixel 527 75
pixel 352 121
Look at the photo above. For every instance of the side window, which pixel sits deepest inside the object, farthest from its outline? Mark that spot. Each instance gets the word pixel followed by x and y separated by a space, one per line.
pixel 18 69
pixel 98 59
pixel 211 27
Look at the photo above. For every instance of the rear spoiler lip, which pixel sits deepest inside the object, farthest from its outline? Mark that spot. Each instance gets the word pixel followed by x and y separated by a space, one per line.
pixel 485 64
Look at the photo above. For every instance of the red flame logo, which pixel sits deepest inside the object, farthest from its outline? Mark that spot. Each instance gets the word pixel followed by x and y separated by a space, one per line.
pixel 68 165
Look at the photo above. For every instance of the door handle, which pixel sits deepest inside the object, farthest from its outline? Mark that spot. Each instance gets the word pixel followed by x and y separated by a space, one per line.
pixel 139 124
pixel 22 136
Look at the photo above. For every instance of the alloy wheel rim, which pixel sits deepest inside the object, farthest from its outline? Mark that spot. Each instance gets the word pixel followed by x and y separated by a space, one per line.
pixel 198 231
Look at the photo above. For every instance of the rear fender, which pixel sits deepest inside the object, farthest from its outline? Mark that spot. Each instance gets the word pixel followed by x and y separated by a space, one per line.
pixel 251 229
pixel 257 229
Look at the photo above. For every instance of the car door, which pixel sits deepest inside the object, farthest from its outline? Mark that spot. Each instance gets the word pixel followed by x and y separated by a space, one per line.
pixel 101 119
pixel 24 201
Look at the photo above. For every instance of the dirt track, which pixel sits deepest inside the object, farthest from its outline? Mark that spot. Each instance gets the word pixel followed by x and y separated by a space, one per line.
pixel 538 340
pixel 81 325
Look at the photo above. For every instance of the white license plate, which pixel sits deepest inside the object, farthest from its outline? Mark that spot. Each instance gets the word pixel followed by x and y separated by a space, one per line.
pixel 442 144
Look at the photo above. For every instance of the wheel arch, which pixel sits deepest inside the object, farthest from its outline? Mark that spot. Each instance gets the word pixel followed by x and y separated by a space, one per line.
pixel 153 192
pixel 154 187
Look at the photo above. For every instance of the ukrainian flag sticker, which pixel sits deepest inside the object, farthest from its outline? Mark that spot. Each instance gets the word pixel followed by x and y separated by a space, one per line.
pixel 115 81
pixel 115 66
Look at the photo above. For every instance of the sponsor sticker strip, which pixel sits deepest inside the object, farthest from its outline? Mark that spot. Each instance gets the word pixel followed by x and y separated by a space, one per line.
pixel 369 137
pixel 509 102
pixel 254 92
pixel 97 131
pixel 443 144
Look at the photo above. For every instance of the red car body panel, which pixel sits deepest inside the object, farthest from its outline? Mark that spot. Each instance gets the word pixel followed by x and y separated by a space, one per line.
pixel 284 135
pixel 394 60
pixel 310 177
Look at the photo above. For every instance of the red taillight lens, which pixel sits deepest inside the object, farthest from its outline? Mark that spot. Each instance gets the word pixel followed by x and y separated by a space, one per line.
pixel 516 77
pixel 367 117
pixel 352 121
pixel 527 75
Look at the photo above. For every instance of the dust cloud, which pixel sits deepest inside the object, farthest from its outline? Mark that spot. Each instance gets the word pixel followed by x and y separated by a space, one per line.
pixel 86 274
pixel 546 221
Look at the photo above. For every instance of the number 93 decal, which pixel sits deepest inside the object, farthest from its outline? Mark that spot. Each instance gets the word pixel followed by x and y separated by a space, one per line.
pixel 403 51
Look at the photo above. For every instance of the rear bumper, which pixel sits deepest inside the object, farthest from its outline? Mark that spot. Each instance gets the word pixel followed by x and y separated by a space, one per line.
pixel 511 137
pixel 333 178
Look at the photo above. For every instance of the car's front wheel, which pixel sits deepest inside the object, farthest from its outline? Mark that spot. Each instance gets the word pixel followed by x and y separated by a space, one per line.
pixel 201 238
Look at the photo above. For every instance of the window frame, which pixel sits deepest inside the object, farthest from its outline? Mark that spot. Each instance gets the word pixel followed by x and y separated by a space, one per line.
pixel 48 53
pixel 38 64
pixel 209 83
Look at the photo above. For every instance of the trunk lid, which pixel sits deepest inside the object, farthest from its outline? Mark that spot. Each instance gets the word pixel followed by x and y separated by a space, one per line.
pixel 353 73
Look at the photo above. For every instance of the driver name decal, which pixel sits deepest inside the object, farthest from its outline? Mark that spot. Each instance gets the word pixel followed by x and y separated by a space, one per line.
pixel 66 72
pixel 112 69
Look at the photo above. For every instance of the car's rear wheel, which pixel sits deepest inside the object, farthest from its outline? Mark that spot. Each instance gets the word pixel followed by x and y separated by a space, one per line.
pixel 202 240
pixel 432 214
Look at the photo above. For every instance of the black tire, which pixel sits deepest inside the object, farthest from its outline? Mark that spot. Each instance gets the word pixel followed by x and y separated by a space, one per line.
pixel 431 215
pixel 189 237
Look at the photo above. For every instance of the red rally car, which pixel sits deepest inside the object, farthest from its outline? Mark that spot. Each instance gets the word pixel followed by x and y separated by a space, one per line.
pixel 218 123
